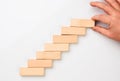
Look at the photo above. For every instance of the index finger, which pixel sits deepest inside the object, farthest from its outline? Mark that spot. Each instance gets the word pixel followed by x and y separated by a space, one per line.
pixel 106 8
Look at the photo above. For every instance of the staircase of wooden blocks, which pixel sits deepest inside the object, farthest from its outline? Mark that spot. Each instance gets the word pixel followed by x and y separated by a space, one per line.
pixel 44 59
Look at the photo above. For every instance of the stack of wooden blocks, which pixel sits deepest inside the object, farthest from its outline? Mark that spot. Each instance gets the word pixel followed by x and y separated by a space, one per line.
pixel 44 59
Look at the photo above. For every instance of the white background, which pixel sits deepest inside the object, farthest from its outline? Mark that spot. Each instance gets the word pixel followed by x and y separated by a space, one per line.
pixel 26 25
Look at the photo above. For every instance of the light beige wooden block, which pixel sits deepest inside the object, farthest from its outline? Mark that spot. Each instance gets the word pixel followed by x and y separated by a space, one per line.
pixel 48 55
pixel 73 31
pixel 32 71
pixel 56 47
pixel 39 63
pixel 65 39
pixel 82 23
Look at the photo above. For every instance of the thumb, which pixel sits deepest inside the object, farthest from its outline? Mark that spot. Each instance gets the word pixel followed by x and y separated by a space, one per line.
pixel 103 31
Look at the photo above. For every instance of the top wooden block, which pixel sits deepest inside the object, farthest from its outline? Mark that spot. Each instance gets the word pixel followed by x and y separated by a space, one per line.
pixel 82 23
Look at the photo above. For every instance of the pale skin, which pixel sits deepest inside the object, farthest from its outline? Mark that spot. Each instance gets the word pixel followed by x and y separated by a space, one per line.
pixel 112 18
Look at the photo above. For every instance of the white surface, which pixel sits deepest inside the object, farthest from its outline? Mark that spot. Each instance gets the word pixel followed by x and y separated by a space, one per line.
pixel 26 25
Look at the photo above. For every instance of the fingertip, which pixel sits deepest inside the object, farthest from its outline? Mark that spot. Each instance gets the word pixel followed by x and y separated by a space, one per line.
pixel 94 28
pixel 97 28
pixel 93 18
pixel 96 17
pixel 92 3
pixel 102 31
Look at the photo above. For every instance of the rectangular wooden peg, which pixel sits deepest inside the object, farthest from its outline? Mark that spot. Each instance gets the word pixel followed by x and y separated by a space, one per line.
pixel 32 71
pixel 39 63
pixel 56 47
pixel 73 31
pixel 82 23
pixel 65 39
pixel 48 55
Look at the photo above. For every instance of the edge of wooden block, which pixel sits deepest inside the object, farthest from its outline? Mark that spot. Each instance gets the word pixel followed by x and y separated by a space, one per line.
pixel 32 63
pixel 28 72
pixel 88 23
pixel 47 47
pixel 82 31
pixel 47 54
pixel 65 39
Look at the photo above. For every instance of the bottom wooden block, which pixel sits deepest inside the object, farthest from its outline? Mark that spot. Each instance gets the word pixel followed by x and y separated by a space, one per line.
pixel 32 71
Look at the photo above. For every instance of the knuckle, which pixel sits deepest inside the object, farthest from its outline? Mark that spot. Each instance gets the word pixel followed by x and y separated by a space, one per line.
pixel 102 4
pixel 116 14
pixel 105 6
pixel 106 0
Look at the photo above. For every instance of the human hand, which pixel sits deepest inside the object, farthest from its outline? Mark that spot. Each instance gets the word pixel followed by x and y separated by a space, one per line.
pixel 112 18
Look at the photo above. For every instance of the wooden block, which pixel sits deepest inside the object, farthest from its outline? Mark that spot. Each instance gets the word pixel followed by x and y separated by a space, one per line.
pixel 73 31
pixel 39 63
pixel 82 23
pixel 32 71
pixel 65 39
pixel 48 55
pixel 56 47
